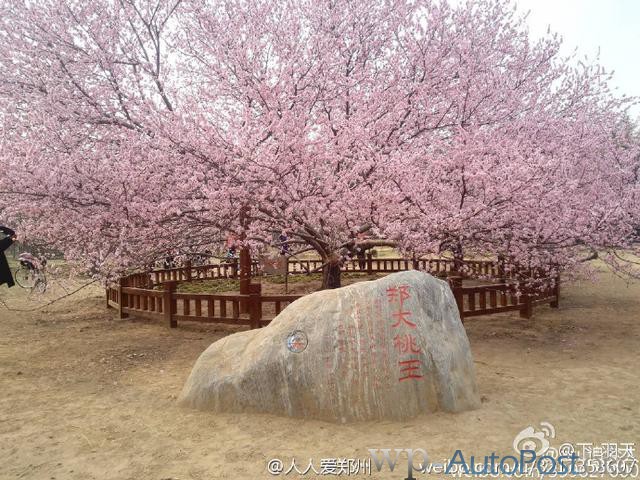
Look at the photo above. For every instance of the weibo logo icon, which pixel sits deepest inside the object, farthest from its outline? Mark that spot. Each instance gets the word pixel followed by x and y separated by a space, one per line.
pixel 538 441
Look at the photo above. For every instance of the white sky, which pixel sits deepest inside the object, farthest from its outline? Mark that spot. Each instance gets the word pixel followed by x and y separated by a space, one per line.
pixel 612 26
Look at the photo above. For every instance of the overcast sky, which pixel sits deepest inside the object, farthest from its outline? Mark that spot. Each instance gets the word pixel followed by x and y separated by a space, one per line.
pixel 612 26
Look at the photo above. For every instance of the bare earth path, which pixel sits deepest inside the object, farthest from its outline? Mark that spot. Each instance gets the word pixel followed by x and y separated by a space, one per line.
pixel 86 396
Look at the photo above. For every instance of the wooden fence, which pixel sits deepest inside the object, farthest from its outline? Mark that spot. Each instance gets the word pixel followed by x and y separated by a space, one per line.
pixel 153 294
pixel 189 273
pixel 502 297
pixel 435 266
pixel 171 306
pixel 369 265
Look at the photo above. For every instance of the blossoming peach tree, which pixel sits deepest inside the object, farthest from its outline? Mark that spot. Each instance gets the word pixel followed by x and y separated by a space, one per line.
pixel 131 128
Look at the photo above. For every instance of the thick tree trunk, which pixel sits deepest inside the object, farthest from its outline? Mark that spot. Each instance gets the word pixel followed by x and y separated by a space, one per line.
pixel 331 273
pixel 501 270
pixel 458 258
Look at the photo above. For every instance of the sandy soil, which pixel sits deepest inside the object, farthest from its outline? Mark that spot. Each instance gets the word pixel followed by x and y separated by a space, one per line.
pixel 87 396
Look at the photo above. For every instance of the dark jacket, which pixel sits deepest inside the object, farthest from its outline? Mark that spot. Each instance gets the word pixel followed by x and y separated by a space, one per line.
pixel 5 272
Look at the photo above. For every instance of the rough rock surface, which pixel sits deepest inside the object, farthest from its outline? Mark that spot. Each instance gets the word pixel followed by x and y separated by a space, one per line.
pixel 391 349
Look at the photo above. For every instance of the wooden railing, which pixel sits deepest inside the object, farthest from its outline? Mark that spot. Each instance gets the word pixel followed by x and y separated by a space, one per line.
pixel 435 266
pixel 188 272
pixel 153 294
pixel 369 265
pixel 502 297
pixel 171 306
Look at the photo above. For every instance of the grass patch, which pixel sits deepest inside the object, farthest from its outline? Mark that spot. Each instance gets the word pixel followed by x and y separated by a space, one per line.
pixel 233 285
pixel 302 278
pixel 209 286
pixel 356 274
pixel 298 278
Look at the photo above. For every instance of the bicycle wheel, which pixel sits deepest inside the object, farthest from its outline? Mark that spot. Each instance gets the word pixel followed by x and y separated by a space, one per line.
pixel 25 277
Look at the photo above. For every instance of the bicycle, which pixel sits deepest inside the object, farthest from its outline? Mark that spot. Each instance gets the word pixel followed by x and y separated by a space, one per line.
pixel 31 273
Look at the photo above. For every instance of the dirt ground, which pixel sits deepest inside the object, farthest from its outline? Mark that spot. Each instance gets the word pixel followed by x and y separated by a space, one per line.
pixel 87 396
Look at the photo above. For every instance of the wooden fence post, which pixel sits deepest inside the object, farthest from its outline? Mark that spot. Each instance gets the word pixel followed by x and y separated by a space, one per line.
pixel 369 262
pixel 167 303
pixel 122 299
pixel 455 283
pixel 255 304
pixel 245 277
pixel 526 309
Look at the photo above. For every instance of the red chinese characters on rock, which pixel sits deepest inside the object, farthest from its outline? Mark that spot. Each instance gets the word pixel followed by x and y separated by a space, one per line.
pixel 400 293
pixel 411 369
pixel 404 342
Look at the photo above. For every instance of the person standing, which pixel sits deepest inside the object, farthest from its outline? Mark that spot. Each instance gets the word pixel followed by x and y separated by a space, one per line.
pixel 5 243
pixel 283 242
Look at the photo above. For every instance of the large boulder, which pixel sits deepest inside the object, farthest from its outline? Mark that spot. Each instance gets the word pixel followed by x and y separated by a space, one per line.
pixel 391 348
